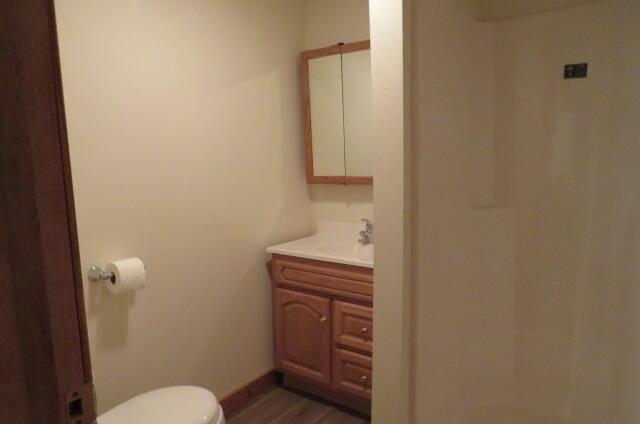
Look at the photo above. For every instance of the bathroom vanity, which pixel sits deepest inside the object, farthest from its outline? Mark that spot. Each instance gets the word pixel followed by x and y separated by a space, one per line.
pixel 323 315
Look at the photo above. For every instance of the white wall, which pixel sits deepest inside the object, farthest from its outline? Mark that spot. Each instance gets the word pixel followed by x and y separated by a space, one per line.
pixel 526 215
pixel 187 151
pixel 463 244
pixel 330 22
pixel 569 152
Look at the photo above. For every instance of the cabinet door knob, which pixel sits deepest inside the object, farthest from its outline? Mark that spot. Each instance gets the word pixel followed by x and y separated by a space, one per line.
pixel 323 319
pixel 364 331
pixel 364 378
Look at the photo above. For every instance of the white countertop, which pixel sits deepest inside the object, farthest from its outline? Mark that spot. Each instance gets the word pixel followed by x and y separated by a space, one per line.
pixel 335 242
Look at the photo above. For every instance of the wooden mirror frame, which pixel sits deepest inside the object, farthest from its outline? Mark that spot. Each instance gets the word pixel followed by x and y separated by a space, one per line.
pixel 306 108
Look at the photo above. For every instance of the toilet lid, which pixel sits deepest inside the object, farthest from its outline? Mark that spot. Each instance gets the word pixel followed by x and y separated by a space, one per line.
pixel 171 405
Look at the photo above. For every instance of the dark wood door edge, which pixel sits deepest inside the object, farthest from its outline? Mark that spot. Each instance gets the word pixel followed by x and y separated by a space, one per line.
pixel 41 254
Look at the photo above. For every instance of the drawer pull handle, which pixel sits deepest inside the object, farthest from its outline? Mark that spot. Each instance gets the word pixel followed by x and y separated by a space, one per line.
pixel 323 319
pixel 364 331
pixel 364 379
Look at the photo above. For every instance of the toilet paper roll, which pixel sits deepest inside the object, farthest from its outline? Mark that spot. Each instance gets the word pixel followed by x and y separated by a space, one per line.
pixel 128 275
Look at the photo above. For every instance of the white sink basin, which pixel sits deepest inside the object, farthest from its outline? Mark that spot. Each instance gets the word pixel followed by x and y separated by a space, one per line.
pixel 335 242
pixel 363 252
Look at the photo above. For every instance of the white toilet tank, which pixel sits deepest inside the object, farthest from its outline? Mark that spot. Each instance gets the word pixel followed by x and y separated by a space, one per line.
pixel 171 405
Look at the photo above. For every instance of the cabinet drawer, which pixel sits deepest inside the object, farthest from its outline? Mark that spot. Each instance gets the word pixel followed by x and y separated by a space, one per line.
pixel 332 279
pixel 353 325
pixel 352 373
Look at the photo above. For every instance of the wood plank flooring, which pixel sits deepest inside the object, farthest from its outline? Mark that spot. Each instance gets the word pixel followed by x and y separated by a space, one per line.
pixel 280 406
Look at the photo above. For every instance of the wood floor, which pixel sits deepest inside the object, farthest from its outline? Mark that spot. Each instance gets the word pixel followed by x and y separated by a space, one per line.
pixel 280 406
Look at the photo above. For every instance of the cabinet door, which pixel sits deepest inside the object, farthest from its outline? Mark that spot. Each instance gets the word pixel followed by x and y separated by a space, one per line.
pixel 303 335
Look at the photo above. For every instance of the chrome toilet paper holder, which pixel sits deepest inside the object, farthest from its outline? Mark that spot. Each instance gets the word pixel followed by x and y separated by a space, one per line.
pixel 96 274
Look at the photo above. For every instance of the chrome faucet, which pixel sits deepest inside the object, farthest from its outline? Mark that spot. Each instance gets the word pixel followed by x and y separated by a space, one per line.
pixel 367 236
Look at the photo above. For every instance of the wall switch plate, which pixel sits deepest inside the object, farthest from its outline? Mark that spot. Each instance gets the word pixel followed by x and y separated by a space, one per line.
pixel 576 70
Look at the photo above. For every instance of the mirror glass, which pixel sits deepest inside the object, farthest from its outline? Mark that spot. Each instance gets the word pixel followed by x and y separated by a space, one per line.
pixel 325 85
pixel 356 76
pixel 338 115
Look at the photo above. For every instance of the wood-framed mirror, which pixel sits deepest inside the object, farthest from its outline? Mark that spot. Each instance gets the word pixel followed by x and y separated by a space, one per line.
pixel 336 100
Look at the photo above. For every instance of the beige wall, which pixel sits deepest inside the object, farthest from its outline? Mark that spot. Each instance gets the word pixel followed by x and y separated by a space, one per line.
pixel 330 22
pixel 526 203
pixel 186 151
pixel 499 9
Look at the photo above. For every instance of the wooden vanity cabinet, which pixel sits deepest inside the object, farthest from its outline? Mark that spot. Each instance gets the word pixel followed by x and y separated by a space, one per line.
pixel 323 325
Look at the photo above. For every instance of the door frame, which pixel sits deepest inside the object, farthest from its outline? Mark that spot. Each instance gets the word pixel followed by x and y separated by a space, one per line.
pixel 45 358
pixel 393 321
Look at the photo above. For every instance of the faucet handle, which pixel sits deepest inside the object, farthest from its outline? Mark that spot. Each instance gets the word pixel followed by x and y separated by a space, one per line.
pixel 368 224
pixel 367 234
